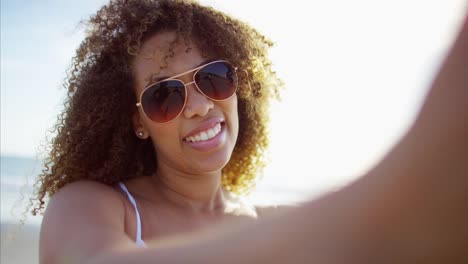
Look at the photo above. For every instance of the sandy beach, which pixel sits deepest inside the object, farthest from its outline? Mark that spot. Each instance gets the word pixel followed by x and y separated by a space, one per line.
pixel 23 248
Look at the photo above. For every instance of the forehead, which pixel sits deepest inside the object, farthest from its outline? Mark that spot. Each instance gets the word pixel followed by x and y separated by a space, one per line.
pixel 153 61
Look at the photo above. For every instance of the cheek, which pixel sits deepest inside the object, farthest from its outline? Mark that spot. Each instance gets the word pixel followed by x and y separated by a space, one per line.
pixel 164 137
pixel 231 106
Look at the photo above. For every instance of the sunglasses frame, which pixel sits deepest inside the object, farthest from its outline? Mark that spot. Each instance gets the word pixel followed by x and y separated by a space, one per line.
pixel 175 78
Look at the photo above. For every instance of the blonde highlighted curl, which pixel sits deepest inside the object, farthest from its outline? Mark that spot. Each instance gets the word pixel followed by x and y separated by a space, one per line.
pixel 94 135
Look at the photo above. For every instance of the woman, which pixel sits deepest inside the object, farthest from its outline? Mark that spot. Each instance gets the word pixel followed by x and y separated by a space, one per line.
pixel 167 116
pixel 166 123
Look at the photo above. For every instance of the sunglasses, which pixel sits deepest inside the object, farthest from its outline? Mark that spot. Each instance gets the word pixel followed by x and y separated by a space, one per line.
pixel 164 100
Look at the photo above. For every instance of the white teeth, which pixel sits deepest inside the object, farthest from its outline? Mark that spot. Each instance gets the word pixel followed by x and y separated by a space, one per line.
pixel 211 133
pixel 205 135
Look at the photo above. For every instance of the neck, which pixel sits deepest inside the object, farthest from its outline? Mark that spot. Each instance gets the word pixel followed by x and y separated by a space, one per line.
pixel 197 193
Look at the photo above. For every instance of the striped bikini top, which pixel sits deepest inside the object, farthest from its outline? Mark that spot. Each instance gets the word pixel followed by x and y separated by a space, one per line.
pixel 138 240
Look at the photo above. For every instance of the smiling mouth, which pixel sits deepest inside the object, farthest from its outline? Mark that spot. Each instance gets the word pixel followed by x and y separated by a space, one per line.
pixel 205 134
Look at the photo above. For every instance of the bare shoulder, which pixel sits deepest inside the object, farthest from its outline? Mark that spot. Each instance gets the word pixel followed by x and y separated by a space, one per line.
pixel 83 189
pixel 81 220
pixel 81 197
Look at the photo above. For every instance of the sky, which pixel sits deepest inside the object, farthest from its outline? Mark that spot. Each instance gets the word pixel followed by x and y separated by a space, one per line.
pixel 356 73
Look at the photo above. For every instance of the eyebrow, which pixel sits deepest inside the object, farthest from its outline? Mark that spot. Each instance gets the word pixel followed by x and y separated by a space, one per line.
pixel 152 79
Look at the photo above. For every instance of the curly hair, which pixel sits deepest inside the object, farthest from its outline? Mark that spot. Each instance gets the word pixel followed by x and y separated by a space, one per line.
pixel 94 135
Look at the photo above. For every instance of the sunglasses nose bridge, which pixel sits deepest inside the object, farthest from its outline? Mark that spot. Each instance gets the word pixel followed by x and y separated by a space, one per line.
pixel 187 84
pixel 195 86
pixel 196 102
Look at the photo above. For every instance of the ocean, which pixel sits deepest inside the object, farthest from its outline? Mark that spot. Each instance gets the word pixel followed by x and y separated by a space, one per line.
pixel 18 174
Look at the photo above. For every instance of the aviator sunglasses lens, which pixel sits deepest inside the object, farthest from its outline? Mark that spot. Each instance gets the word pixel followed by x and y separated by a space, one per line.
pixel 217 80
pixel 164 101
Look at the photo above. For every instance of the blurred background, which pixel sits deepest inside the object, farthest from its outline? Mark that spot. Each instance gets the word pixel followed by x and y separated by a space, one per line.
pixel 356 73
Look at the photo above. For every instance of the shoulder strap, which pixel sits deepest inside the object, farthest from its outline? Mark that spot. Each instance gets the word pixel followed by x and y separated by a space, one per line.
pixel 139 241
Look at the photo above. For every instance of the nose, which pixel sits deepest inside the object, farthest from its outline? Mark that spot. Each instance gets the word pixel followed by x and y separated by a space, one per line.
pixel 197 103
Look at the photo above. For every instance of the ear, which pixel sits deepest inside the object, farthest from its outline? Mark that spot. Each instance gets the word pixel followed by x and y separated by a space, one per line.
pixel 138 126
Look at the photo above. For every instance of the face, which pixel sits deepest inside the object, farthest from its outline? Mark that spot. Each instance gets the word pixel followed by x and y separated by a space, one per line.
pixel 200 139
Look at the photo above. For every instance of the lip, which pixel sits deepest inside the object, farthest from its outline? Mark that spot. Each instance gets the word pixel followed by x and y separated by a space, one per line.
pixel 211 144
pixel 207 124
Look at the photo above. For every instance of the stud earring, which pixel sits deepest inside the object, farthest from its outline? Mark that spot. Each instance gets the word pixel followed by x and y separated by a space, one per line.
pixel 141 134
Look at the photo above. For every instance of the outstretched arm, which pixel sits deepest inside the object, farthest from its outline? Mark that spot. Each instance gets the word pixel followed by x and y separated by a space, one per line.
pixel 411 207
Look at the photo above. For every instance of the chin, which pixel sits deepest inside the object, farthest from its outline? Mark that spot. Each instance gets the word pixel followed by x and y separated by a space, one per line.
pixel 214 162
